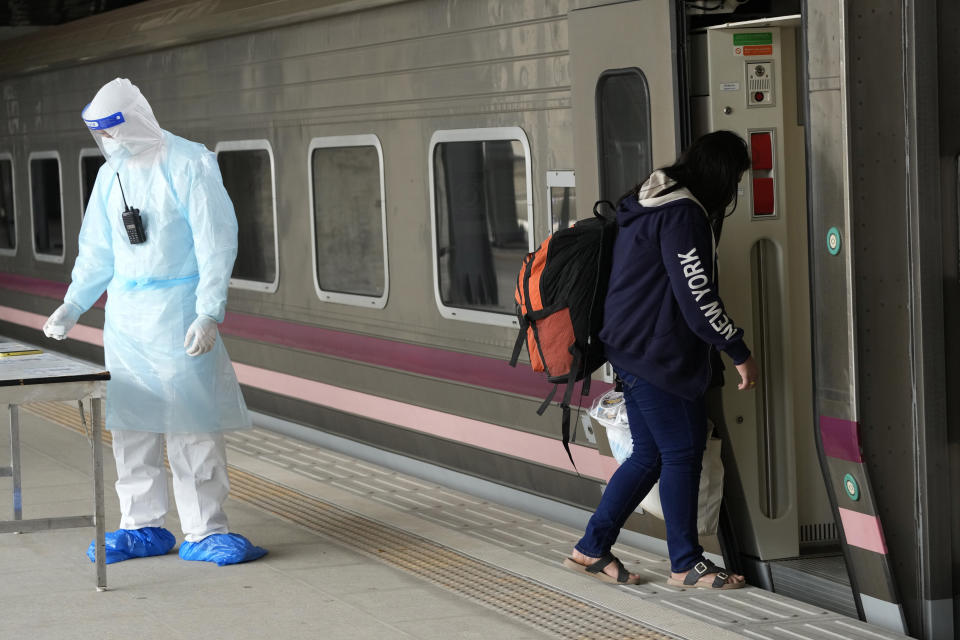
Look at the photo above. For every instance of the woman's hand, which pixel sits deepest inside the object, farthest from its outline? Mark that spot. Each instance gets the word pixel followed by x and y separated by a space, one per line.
pixel 749 373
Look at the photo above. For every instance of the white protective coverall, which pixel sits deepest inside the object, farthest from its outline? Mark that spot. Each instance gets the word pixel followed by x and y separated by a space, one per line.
pixel 172 286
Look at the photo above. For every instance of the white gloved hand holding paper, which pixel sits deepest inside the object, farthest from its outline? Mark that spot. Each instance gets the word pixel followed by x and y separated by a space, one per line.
pixel 60 322
pixel 201 336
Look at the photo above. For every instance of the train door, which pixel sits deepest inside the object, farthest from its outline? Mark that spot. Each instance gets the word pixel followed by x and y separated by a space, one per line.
pixel 624 94
pixel 628 105
pixel 752 89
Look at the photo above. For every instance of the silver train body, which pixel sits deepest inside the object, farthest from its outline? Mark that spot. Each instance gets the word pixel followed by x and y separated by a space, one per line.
pixel 391 162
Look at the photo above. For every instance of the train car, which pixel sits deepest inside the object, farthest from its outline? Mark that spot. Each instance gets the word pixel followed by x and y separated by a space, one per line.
pixel 392 161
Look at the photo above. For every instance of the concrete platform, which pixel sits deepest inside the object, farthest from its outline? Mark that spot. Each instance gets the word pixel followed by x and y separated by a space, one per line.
pixel 307 587
pixel 357 550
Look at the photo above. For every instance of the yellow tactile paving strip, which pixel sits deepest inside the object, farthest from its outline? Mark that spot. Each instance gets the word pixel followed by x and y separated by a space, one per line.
pixel 547 609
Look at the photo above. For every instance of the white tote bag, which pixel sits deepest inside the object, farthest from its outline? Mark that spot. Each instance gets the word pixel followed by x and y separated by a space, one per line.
pixel 711 490
pixel 610 411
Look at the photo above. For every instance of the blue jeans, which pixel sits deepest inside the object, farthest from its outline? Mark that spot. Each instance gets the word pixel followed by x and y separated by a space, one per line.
pixel 669 436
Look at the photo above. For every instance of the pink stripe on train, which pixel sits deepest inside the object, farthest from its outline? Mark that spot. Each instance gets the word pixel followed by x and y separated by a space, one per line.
pixel 483 435
pixel 80 332
pixel 841 439
pixel 39 287
pixel 480 371
pixel 862 530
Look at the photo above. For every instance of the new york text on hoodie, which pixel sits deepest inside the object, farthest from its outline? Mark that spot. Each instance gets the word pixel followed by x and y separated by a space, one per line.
pixel 663 311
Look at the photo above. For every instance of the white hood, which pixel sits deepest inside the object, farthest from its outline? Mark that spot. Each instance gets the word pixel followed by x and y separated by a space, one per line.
pixel 123 124
pixel 649 195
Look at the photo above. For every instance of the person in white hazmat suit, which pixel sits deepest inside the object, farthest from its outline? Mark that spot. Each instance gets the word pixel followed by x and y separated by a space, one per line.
pixel 160 236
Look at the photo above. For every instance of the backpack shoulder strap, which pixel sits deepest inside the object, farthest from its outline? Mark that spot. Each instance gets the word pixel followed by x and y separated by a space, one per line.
pixel 565 405
pixel 521 339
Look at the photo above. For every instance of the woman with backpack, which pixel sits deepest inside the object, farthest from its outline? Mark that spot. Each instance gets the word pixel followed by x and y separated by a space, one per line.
pixel 663 322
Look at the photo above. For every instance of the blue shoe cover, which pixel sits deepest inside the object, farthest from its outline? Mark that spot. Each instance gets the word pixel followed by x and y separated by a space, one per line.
pixel 124 544
pixel 222 548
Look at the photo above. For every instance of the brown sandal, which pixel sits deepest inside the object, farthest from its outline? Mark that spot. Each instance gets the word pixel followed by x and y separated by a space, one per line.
pixel 705 568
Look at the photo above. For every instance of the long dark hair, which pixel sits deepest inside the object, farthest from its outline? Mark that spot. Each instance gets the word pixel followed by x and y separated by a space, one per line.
pixel 710 168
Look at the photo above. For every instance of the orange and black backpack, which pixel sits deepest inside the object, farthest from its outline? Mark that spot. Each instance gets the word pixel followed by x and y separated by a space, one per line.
pixel 560 294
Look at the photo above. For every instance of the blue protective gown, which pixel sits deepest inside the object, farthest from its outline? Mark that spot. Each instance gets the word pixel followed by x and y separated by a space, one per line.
pixel 156 289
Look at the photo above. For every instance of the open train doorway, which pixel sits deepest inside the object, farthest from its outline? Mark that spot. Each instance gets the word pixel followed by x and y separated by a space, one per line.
pixel 747 77
pixel 634 109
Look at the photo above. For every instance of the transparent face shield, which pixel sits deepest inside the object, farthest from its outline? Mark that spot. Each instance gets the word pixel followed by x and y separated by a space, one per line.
pixel 103 131
pixel 124 136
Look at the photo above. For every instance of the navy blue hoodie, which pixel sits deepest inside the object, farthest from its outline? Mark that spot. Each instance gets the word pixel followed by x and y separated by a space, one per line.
pixel 662 312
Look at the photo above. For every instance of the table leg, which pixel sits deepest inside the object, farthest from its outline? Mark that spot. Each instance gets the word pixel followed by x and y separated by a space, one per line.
pixel 15 461
pixel 98 493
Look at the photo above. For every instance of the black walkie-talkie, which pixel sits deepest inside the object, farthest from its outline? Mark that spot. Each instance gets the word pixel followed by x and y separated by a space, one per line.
pixel 132 221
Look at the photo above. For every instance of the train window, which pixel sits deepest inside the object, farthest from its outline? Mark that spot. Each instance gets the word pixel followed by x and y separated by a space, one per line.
pixel 482 220
pixel 248 175
pixel 348 220
pixel 8 218
pixel 90 162
pixel 561 199
pixel 46 205
pixel 623 131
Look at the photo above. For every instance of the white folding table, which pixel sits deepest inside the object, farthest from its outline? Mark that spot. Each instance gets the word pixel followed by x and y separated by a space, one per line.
pixel 47 377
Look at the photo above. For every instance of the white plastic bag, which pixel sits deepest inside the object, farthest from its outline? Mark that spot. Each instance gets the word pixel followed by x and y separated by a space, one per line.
pixel 611 411
pixel 711 490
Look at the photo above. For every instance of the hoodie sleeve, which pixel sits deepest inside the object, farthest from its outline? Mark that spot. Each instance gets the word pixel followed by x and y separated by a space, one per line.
pixel 686 246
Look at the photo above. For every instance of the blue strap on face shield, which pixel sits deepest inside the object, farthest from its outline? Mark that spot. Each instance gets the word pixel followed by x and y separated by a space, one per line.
pixel 104 123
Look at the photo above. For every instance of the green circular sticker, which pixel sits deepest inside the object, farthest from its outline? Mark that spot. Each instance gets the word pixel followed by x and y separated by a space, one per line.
pixel 833 241
pixel 851 487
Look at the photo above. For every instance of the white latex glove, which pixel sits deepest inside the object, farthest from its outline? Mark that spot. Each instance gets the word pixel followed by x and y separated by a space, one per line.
pixel 201 336
pixel 60 322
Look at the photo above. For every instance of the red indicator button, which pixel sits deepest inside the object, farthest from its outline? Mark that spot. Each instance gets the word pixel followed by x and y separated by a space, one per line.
pixel 761 150
pixel 762 196
pixel 758 96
